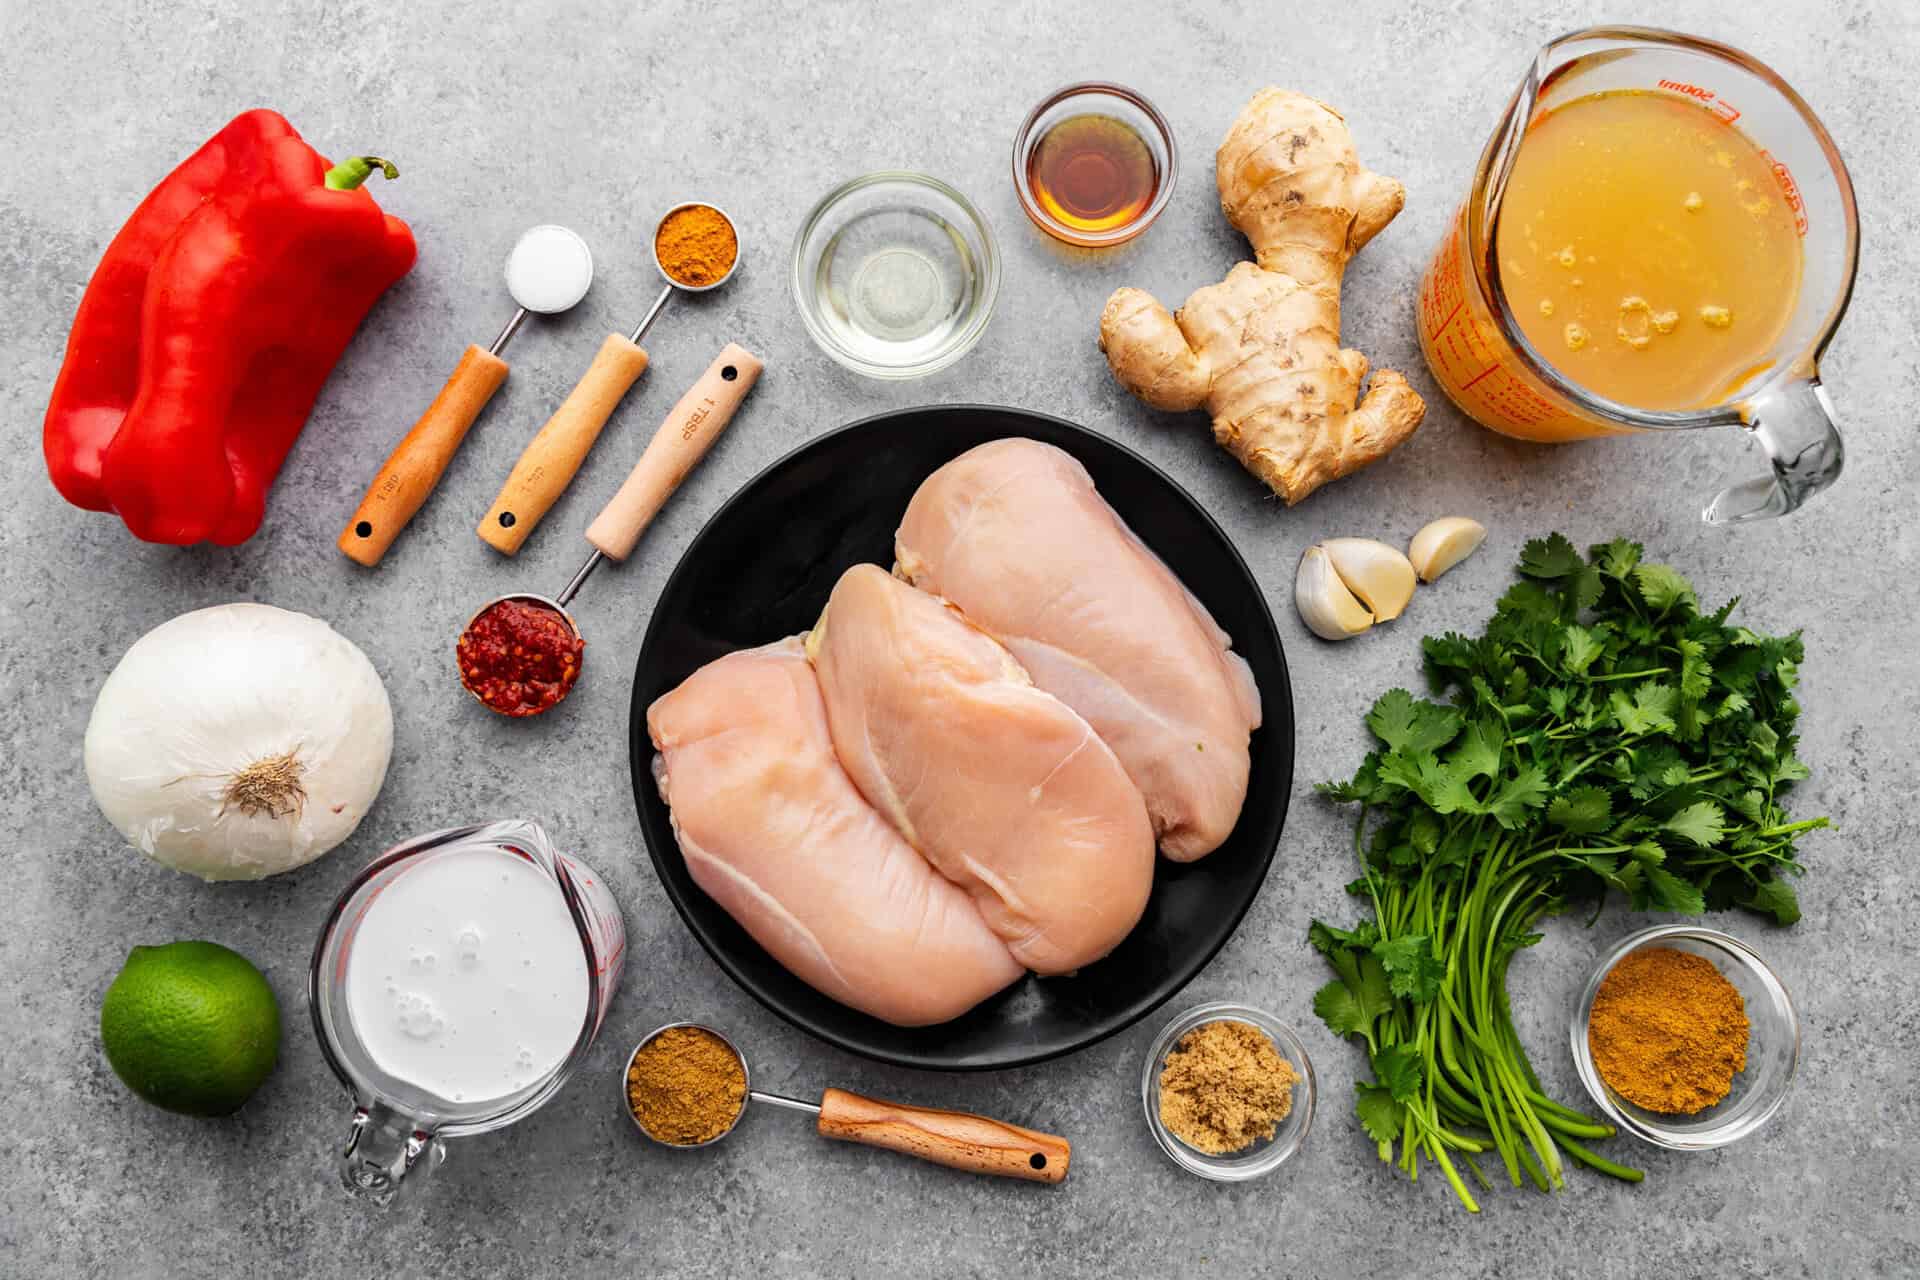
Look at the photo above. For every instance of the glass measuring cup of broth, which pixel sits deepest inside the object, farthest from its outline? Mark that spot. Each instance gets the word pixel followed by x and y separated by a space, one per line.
pixel 457 983
pixel 1660 236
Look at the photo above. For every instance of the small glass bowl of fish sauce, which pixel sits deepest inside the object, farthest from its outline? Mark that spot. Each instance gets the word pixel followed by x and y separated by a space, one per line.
pixel 1094 164
pixel 895 274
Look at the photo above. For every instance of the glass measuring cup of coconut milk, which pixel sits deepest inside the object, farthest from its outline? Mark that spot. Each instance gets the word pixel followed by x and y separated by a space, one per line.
pixel 457 983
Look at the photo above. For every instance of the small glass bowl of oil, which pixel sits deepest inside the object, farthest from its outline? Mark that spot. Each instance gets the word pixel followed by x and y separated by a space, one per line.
pixel 1094 164
pixel 895 274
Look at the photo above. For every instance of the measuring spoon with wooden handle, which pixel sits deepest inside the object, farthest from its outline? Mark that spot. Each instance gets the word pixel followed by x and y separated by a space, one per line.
pixel 683 438
pixel 549 271
pixel 956 1139
pixel 553 457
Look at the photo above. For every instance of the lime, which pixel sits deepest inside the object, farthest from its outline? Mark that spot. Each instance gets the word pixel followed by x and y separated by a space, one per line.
pixel 191 1026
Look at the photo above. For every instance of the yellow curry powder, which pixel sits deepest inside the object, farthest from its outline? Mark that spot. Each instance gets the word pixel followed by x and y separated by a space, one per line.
pixel 686 1086
pixel 696 245
pixel 1225 1087
pixel 1668 1031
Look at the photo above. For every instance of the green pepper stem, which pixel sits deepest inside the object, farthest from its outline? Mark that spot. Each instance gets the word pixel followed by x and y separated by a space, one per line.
pixel 354 170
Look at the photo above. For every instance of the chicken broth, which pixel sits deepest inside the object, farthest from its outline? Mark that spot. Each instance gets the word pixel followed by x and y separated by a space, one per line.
pixel 1647 250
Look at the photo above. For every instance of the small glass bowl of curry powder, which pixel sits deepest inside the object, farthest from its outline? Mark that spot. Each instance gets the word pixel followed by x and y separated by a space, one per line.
pixel 1669 1032
pixel 685 1085
pixel 1228 1091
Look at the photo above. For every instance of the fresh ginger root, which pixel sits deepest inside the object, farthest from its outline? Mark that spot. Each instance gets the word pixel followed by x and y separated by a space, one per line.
pixel 1261 350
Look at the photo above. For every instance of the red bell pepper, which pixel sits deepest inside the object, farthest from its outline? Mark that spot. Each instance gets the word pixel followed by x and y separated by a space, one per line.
pixel 206 333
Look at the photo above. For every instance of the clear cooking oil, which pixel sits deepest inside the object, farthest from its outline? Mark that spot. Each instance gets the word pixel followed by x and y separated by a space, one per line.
pixel 895 284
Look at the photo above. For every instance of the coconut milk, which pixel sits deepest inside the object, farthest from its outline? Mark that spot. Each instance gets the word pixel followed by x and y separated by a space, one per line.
pixel 467 976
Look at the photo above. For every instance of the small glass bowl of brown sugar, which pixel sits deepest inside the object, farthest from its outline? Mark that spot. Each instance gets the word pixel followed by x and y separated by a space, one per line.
pixel 1228 1091
pixel 1668 1030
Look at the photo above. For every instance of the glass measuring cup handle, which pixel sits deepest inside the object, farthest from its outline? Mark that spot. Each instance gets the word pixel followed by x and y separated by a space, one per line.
pixel 1794 426
pixel 382 1149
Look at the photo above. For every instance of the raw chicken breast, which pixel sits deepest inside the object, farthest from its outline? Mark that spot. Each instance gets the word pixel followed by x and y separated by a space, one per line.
pixel 1007 791
pixel 773 830
pixel 1014 533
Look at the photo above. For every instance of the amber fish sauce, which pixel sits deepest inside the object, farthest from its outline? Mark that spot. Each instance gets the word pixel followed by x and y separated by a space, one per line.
pixel 1093 173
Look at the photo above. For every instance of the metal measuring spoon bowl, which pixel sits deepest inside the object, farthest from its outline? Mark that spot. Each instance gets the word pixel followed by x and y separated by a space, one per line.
pixel 746 1076
pixel 956 1139
pixel 545 604
pixel 549 269
pixel 732 226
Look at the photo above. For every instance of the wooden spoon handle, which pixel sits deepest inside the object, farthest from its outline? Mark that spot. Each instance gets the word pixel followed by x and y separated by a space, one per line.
pixel 973 1144
pixel 420 459
pixel 689 430
pixel 554 455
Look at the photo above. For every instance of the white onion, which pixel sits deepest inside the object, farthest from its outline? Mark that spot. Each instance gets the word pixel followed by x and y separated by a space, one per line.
pixel 239 741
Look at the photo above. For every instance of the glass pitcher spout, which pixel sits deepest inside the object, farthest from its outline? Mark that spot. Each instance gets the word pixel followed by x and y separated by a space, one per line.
pixel 1794 426
pixel 383 1148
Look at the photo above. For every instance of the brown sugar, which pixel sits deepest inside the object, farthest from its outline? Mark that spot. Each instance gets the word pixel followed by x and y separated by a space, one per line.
pixel 1668 1032
pixel 686 1086
pixel 1225 1087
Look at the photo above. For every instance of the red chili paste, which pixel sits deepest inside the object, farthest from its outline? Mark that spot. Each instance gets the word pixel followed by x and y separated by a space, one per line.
pixel 519 657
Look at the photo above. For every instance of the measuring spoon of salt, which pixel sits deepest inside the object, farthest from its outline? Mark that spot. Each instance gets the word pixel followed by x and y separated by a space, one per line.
pixel 549 271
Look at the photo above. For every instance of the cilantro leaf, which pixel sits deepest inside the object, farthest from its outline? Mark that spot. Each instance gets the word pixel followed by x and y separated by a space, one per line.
pixel 1413 971
pixel 1525 790
pixel 1702 823
pixel 1669 892
pixel 1532 602
pixel 1579 648
pixel 1648 852
pixel 1372 991
pixel 1408 725
pixel 1340 1010
pixel 1649 711
pixel 1477 753
pixel 1327 939
pixel 1398 1070
pixel 1441 789
pixel 1550 557
pixel 1776 898
pixel 1617 558
pixel 1663 588
pixel 1584 811
pixel 1696 676
pixel 1381 1114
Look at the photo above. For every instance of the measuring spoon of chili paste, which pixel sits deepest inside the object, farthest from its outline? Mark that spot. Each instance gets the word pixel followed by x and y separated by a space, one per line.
pixel 520 655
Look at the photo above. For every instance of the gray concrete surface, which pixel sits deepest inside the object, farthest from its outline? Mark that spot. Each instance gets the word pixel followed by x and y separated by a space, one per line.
pixel 599 116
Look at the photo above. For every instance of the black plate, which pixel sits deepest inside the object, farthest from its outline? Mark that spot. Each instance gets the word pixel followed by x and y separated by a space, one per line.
pixel 762 568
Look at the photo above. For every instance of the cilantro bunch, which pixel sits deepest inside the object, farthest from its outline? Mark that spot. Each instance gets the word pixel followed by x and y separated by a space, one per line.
pixel 1603 733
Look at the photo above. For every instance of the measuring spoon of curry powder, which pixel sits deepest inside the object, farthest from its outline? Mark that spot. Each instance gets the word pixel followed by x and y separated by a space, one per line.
pixel 547 466
pixel 549 271
pixel 956 1139
pixel 520 654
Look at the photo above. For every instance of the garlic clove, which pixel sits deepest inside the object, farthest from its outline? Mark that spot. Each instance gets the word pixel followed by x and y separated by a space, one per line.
pixel 1374 571
pixel 1326 606
pixel 1444 544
